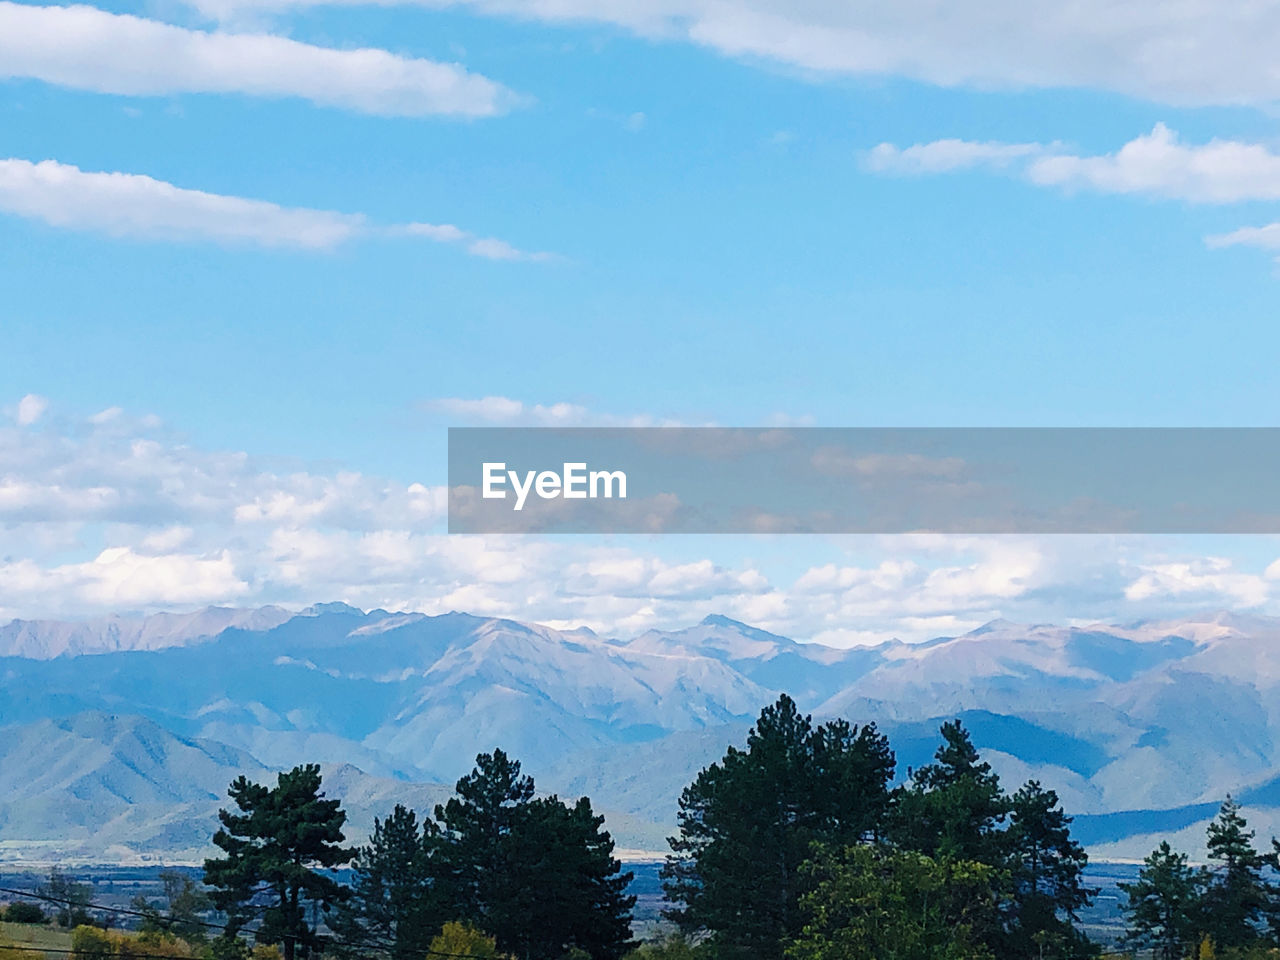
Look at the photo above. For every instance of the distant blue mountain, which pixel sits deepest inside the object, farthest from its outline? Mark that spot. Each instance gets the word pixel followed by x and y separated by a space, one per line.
pixel 1140 728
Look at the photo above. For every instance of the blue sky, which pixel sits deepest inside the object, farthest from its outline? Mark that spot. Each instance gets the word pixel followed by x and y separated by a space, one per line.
pixel 685 221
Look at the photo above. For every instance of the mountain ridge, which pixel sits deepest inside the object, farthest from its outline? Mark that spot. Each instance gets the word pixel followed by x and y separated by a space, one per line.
pixel 1099 713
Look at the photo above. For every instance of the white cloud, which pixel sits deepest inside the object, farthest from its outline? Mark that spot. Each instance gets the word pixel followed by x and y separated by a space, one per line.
pixel 120 579
pixel 119 515
pixel 1264 238
pixel 1157 164
pixel 134 205
pixel 945 156
pixel 508 412
pixel 89 49
pixel 1194 52
pixel 30 409
pixel 1212 579
pixel 491 248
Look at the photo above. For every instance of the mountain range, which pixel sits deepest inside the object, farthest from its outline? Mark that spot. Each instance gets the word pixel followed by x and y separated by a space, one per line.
pixel 118 736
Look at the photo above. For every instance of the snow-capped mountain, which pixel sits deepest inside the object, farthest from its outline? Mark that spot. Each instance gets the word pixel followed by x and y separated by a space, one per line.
pixel 1161 719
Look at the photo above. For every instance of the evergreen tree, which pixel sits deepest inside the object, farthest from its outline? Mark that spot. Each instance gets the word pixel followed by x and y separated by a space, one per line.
pixel 1237 896
pixel 746 824
pixel 276 846
pixel 1166 904
pixel 577 897
pixel 1046 870
pixel 483 878
pixel 394 902
pixel 954 807
pixel 537 875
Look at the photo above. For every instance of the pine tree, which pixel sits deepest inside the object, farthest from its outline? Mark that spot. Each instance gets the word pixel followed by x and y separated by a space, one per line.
pixel 394 901
pixel 537 875
pixel 748 822
pixel 1046 869
pixel 277 844
pixel 483 878
pixel 576 898
pixel 1237 896
pixel 954 807
pixel 1166 905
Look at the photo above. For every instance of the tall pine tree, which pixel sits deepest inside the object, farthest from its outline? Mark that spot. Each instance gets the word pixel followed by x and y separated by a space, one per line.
pixel 1166 905
pixel 537 875
pixel 1046 869
pixel 276 849
pixel 396 903
pixel 1237 896
pixel 954 807
pixel 748 822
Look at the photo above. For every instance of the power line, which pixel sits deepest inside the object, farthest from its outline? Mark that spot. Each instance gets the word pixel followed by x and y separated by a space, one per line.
pixel 124 911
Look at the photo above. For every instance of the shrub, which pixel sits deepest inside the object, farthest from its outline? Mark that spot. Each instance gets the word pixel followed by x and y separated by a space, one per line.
pixel 461 938
pixel 24 911
pixel 91 943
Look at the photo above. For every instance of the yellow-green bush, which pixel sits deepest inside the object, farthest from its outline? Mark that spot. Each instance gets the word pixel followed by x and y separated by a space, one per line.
pixel 90 943
pixel 461 938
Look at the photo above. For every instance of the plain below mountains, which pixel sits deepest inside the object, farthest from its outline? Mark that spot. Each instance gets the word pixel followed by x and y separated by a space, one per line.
pixel 119 736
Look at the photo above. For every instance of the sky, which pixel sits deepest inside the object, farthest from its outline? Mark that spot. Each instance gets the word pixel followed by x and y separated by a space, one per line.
pixel 259 254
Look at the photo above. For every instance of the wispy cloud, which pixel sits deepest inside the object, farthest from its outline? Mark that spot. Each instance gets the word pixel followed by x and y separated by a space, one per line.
pixel 1193 52
pixel 947 156
pixel 505 411
pixel 134 205
pixel 1158 165
pixel 89 49
pixel 491 248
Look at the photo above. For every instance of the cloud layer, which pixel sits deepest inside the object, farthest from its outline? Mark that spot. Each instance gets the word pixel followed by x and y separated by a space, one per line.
pixel 113 513
pixel 134 205
pixel 89 49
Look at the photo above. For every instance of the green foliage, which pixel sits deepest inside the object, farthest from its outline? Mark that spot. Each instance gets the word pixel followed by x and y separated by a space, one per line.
pixel 395 901
pixel 539 875
pixel 1179 911
pixel 747 823
pixel 1164 904
pixel 465 940
pixel 877 903
pixel 1046 870
pixel 93 943
pixel 278 843
pixel 1237 896
pixel 954 807
pixel 24 911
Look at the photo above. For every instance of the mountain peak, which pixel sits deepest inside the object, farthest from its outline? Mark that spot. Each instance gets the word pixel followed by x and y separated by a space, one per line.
pixel 336 606
pixel 719 620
